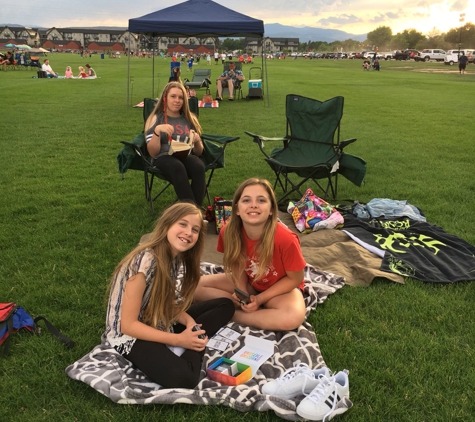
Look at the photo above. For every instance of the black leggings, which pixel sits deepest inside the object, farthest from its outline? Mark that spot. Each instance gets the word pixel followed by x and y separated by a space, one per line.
pixel 165 368
pixel 178 172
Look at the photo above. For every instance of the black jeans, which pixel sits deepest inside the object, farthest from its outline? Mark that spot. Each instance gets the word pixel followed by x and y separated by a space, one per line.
pixel 165 368
pixel 178 172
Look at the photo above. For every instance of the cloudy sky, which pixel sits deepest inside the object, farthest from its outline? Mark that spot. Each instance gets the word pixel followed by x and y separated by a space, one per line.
pixel 352 16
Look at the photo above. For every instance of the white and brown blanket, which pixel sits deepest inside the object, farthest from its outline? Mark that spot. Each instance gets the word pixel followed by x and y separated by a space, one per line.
pixel 112 375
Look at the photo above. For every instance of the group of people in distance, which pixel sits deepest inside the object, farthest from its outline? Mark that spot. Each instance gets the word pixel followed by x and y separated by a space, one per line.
pixel 89 72
pixel 150 314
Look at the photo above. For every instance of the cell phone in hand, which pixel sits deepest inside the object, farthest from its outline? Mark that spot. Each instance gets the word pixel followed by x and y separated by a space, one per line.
pixel 198 328
pixel 244 297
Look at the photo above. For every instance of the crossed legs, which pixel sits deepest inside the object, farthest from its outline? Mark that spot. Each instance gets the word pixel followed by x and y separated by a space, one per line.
pixel 281 313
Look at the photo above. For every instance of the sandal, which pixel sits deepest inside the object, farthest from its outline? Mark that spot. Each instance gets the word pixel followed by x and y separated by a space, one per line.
pixel 231 99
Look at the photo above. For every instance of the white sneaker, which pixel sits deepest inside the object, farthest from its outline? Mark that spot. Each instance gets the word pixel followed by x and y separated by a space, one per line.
pixel 330 397
pixel 295 381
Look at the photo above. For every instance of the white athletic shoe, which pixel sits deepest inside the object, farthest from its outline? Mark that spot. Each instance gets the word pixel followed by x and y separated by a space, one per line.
pixel 330 397
pixel 295 381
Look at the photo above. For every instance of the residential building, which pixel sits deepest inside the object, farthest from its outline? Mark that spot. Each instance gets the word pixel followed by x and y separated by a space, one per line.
pixel 272 45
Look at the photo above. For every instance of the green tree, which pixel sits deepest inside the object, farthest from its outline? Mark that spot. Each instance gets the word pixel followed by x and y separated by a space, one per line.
pixel 231 44
pixel 380 37
pixel 413 37
pixel 409 38
pixel 436 39
pixel 464 34
pixel 399 42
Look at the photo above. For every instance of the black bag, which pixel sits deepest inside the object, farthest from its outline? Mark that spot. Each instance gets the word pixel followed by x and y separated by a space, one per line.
pixel 41 74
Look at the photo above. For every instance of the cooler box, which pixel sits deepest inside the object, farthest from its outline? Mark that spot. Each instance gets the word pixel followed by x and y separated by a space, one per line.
pixel 255 83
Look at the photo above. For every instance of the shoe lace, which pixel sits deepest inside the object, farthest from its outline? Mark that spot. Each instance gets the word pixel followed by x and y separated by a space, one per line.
pixel 322 391
pixel 301 369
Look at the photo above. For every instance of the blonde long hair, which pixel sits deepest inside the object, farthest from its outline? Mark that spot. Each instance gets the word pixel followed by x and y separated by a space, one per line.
pixel 162 308
pixel 160 107
pixel 234 259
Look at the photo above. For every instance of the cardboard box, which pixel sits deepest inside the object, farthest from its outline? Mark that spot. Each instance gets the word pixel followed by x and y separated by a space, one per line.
pixel 255 83
pixel 243 365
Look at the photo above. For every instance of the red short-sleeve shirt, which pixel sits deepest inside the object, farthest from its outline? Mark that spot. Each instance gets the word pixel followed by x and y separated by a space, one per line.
pixel 287 256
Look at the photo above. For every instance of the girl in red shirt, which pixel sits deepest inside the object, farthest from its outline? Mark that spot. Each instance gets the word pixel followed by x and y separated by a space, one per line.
pixel 261 257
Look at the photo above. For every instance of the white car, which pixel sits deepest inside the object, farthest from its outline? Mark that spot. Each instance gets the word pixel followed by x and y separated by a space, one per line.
pixel 452 56
pixel 431 54
pixel 388 55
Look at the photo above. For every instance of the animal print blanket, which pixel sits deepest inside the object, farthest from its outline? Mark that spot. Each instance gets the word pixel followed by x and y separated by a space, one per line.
pixel 112 375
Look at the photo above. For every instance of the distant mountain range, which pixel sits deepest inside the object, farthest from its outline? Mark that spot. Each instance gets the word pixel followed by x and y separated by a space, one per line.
pixel 309 33
pixel 273 30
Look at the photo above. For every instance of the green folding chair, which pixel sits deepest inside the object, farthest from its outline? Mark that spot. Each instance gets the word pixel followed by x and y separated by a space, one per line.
pixel 134 156
pixel 311 151
pixel 201 79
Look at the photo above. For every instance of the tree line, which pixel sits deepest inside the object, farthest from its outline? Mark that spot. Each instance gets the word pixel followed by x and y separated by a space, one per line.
pixel 383 39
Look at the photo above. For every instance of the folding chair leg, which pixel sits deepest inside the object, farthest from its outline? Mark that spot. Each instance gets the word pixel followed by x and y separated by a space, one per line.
pixel 207 186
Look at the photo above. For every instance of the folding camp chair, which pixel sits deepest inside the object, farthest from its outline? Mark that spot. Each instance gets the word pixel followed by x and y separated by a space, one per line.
pixel 237 86
pixel 201 79
pixel 312 150
pixel 135 156
pixel 34 62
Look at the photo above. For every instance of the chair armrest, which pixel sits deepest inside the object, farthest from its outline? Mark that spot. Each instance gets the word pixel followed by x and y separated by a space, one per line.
pixel 257 138
pixel 344 144
pixel 135 147
pixel 219 139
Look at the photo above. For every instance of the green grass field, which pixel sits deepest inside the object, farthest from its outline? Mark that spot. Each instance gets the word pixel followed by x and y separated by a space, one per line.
pixel 67 218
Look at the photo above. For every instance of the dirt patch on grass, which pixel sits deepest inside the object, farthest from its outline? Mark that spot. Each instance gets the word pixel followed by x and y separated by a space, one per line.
pixel 449 70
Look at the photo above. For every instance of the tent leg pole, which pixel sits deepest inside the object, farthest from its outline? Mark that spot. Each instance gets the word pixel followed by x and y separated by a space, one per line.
pixel 128 75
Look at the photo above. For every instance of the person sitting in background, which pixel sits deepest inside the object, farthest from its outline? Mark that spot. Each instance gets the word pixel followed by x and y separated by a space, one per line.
pixel 50 73
pixel 82 72
pixel 176 75
pixel 68 73
pixel 6 60
pixel 91 73
pixel 172 120
pixel 230 78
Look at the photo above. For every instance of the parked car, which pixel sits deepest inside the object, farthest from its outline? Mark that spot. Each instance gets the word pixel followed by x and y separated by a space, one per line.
pixel 431 54
pixel 452 56
pixel 386 55
pixel 406 54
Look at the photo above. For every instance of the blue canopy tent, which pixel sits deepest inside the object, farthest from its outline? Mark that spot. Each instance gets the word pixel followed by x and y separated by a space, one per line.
pixel 200 18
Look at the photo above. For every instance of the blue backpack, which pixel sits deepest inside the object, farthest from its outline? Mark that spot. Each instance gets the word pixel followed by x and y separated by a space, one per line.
pixel 13 318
